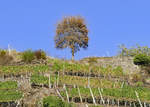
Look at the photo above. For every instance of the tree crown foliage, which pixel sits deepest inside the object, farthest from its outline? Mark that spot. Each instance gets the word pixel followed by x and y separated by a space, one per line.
pixel 72 32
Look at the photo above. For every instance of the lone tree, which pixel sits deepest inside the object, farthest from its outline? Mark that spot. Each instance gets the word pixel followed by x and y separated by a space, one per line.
pixel 72 32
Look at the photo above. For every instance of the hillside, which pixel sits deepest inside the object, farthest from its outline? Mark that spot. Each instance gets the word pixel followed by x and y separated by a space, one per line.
pixel 102 81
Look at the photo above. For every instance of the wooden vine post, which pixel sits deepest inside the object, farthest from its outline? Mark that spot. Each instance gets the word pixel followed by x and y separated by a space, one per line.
pixel 125 103
pixel 79 94
pixel 86 105
pixel 92 96
pixel 138 99
pixel 122 85
pixel 66 93
pixel 108 101
pixel 118 102
pixel 144 104
pixel 91 92
pixel 101 96
pixel 59 95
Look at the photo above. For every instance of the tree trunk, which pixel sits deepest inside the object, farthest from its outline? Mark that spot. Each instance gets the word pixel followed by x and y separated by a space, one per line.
pixel 72 57
pixel 72 53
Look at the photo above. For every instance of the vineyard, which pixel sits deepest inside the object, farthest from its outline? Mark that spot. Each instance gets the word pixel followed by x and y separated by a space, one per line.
pixel 9 93
pixel 70 85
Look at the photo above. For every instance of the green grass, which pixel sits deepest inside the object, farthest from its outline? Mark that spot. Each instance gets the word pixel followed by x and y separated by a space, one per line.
pixel 53 101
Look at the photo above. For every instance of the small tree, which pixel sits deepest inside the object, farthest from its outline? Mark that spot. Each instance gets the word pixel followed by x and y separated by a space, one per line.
pixel 72 32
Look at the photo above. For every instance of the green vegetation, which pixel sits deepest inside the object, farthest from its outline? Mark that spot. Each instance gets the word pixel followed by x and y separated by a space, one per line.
pixel 9 95
pixel 139 84
pixel 141 59
pixel 39 79
pixel 39 76
pixel 83 81
pixel 74 80
pixel 87 69
pixel 133 51
pixel 112 81
pixel 126 93
pixel 9 92
pixel 60 66
pixel 23 69
pixel 8 85
pixel 53 101
pixel 28 56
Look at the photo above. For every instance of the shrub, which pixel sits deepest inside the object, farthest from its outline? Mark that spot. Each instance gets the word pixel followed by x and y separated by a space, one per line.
pixel 39 54
pixel 28 56
pixel 141 59
pixel 5 58
pixel 53 101
pixel 133 51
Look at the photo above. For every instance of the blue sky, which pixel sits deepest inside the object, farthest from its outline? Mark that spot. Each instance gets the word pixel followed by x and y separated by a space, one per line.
pixel 31 24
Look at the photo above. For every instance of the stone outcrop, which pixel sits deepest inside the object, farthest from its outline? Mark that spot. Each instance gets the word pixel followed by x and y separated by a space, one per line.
pixel 125 62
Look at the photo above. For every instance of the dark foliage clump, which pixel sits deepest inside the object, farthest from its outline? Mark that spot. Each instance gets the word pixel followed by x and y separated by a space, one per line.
pixel 141 59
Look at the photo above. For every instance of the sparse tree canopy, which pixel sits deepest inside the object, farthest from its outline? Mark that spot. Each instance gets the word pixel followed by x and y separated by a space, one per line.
pixel 72 32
